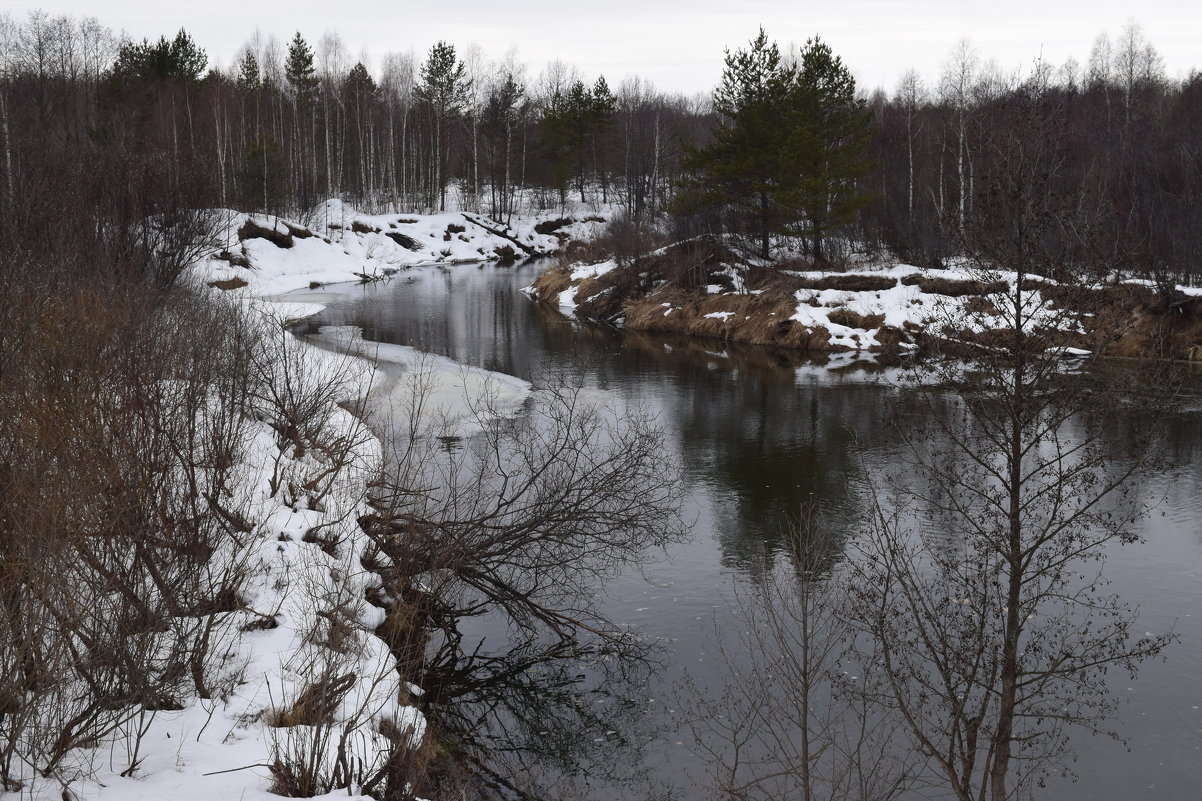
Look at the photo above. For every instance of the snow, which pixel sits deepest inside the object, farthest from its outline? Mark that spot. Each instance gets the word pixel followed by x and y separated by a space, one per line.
pixel 449 398
pixel 220 748
pixel 347 245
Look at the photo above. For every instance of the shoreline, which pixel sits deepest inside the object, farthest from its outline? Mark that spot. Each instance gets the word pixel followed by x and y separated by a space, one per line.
pixel 888 311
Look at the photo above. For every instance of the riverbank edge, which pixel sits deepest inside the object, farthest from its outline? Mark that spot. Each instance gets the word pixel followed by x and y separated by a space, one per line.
pixel 310 566
pixel 885 310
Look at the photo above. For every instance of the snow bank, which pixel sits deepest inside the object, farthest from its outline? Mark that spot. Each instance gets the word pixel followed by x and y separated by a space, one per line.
pixel 265 255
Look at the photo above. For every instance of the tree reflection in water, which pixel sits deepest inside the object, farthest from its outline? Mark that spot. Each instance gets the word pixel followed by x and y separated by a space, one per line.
pixel 514 533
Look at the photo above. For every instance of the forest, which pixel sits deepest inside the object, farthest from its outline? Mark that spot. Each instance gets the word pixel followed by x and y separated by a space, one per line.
pixel 90 123
pixel 200 523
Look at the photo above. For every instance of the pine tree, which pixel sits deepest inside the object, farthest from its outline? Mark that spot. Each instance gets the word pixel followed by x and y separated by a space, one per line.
pixel 828 132
pixel 789 148
pixel 446 88
pixel 179 58
pixel 248 72
pixel 188 60
pixel 603 107
pixel 299 69
pixel 740 171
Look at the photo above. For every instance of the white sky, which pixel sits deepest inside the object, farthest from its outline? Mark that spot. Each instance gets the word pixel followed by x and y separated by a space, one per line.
pixel 677 44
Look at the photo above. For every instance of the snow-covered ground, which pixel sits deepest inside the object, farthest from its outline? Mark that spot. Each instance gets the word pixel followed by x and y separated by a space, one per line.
pixel 338 244
pixel 305 613
pixel 903 299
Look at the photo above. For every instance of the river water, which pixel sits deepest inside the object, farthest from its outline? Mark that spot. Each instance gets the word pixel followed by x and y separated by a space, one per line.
pixel 757 433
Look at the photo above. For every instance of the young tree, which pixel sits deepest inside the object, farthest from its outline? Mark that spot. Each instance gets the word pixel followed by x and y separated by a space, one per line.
pixel 828 131
pixel 299 69
pixel 444 86
pixel 604 106
pixel 992 639
pixel 741 170
pixel 248 72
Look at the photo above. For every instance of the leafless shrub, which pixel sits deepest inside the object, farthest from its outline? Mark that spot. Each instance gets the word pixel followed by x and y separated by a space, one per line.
pixel 121 575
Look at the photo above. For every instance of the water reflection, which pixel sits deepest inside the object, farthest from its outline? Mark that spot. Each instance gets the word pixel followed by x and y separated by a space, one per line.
pixel 759 433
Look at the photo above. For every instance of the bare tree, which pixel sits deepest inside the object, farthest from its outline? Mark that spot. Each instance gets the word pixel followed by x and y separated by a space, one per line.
pixel 991 630
pixel 787 723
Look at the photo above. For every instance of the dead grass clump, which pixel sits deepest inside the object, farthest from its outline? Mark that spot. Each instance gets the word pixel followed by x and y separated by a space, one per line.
pixel 252 230
pixel 317 703
pixel 548 285
pixel 363 228
pixel 981 305
pixel 551 226
pixel 849 282
pixel 754 319
pixel 691 264
pixel 771 281
pixel 407 242
pixel 299 232
pixel 452 229
pixel 605 296
pixel 851 319
pixel 227 284
pixel 234 259
pixel 952 287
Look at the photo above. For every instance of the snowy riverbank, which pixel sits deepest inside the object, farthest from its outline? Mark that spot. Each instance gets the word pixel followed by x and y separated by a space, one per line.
pixel 704 291
pixel 306 690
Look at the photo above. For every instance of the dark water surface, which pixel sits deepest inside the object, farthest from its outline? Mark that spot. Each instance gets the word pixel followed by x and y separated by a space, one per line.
pixel 757 433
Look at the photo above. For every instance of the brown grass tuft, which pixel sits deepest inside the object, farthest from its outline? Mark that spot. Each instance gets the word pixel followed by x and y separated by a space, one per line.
pixel 317 703
pixel 252 230
pixel 953 288
pixel 227 284
pixel 551 226
pixel 548 285
pixel 849 282
pixel 407 242
pixel 851 319
pixel 234 259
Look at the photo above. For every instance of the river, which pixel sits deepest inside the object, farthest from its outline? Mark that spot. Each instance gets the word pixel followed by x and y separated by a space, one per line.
pixel 757 433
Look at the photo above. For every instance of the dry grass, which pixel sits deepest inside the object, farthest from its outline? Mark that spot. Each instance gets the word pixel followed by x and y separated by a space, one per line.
pixel 952 287
pixel 407 242
pixel 228 283
pixel 849 282
pixel 851 319
pixel 252 230
pixel 548 285
pixel 755 319
pixel 317 702
pixel 234 259
pixel 551 226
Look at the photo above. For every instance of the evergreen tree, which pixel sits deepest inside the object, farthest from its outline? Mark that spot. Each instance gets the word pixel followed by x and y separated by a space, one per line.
pixel 299 69
pixel 187 58
pixel 603 107
pixel 263 178
pixel 740 171
pixel 789 149
pixel 446 88
pixel 828 132
pixel 248 72
pixel 179 58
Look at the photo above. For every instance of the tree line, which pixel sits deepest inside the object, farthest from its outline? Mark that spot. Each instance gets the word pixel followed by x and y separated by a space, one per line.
pixel 811 163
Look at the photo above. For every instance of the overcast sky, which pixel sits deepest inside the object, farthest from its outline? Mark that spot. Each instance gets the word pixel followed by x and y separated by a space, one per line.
pixel 677 44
